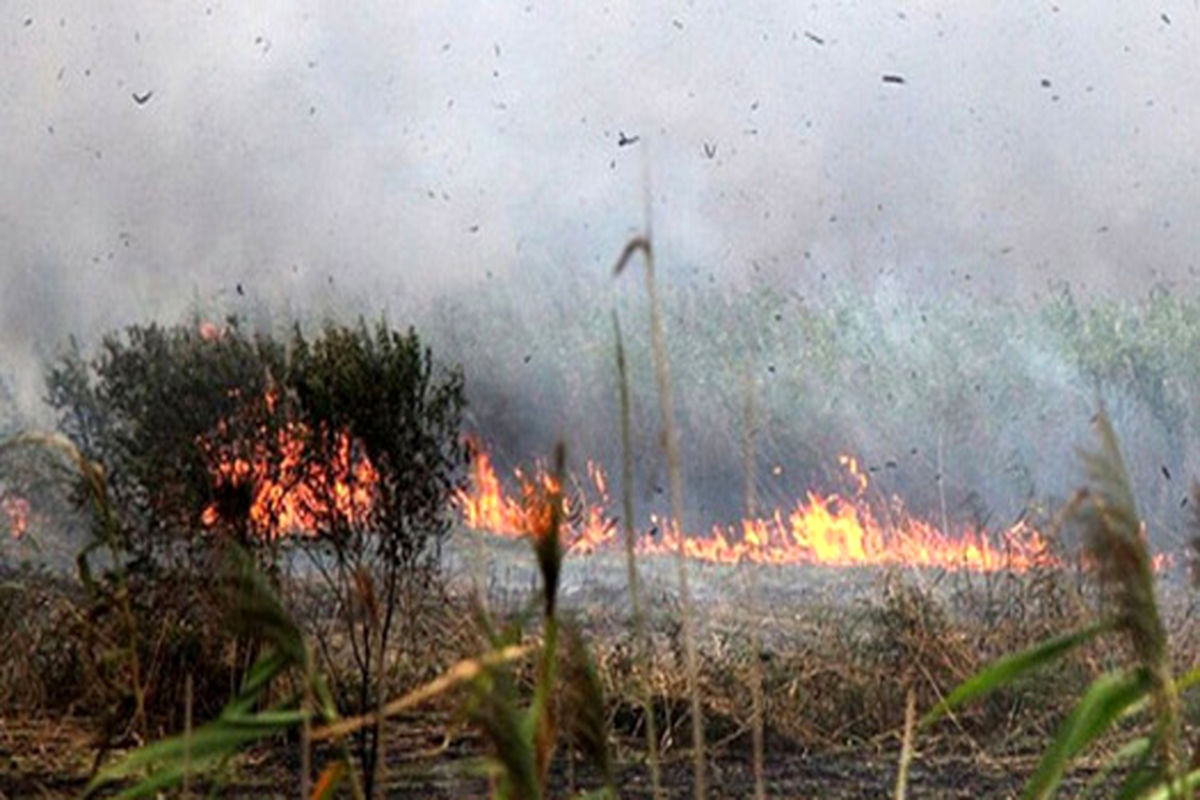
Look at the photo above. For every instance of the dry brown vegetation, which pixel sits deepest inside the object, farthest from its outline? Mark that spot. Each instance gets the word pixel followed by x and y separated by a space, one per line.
pixel 839 652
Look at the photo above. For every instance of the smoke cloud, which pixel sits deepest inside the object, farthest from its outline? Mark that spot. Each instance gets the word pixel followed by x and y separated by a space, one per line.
pixel 439 163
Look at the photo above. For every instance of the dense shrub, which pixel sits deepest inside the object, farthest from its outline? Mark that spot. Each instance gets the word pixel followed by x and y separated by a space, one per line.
pixel 199 431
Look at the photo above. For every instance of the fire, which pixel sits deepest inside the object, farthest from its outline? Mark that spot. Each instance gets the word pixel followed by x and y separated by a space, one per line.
pixel 487 508
pixel 17 510
pixel 828 529
pixel 290 493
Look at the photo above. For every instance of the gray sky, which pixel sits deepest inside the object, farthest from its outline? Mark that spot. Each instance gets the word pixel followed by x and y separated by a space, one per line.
pixel 408 149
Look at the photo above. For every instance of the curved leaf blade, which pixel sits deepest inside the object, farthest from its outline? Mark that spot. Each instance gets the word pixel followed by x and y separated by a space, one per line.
pixel 1008 668
pixel 1103 703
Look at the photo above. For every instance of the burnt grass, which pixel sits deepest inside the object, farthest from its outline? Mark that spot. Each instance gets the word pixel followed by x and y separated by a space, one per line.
pixel 838 651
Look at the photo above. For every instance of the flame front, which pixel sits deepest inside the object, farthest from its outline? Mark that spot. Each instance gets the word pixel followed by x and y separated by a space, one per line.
pixel 486 507
pixel 291 493
pixel 832 530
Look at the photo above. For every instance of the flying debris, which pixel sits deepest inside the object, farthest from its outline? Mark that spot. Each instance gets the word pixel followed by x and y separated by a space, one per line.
pixel 635 244
pixel 1163 16
pixel 240 290
pixel 142 99
pixel 812 37
pixel 894 79
pixel 1166 472
pixel 623 140
pixel 710 150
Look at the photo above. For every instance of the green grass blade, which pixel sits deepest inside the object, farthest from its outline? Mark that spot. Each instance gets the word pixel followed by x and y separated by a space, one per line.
pixel 1142 775
pixel 1187 680
pixel 259 613
pixel 583 705
pixel 1103 702
pixel 209 743
pixel 1133 750
pixel 213 739
pixel 152 785
pixel 1180 788
pixel 271 718
pixel 1183 683
pixel 1008 668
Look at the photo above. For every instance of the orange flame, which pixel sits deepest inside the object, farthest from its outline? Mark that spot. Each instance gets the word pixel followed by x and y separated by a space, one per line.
pixel 17 510
pixel 832 529
pixel 486 507
pixel 289 492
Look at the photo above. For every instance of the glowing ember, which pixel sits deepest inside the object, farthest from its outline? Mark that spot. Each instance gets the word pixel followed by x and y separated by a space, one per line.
pixel 17 511
pixel 833 529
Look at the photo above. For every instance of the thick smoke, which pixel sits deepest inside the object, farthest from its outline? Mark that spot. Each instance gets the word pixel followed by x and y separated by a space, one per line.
pixel 467 172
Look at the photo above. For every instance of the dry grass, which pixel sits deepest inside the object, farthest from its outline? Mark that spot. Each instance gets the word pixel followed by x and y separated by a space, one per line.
pixel 835 670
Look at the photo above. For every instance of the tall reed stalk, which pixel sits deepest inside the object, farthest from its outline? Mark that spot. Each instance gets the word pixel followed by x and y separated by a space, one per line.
pixel 906 745
pixel 635 599
pixel 752 604
pixel 662 374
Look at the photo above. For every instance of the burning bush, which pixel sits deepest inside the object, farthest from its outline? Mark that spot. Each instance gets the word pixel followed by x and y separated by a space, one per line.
pixel 347 444
pixel 382 426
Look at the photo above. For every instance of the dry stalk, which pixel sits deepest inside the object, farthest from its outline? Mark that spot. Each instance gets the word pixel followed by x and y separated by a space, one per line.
pixel 662 374
pixel 306 710
pixel 752 603
pixel 187 737
pixel 380 688
pixel 460 673
pixel 906 745
pixel 639 625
